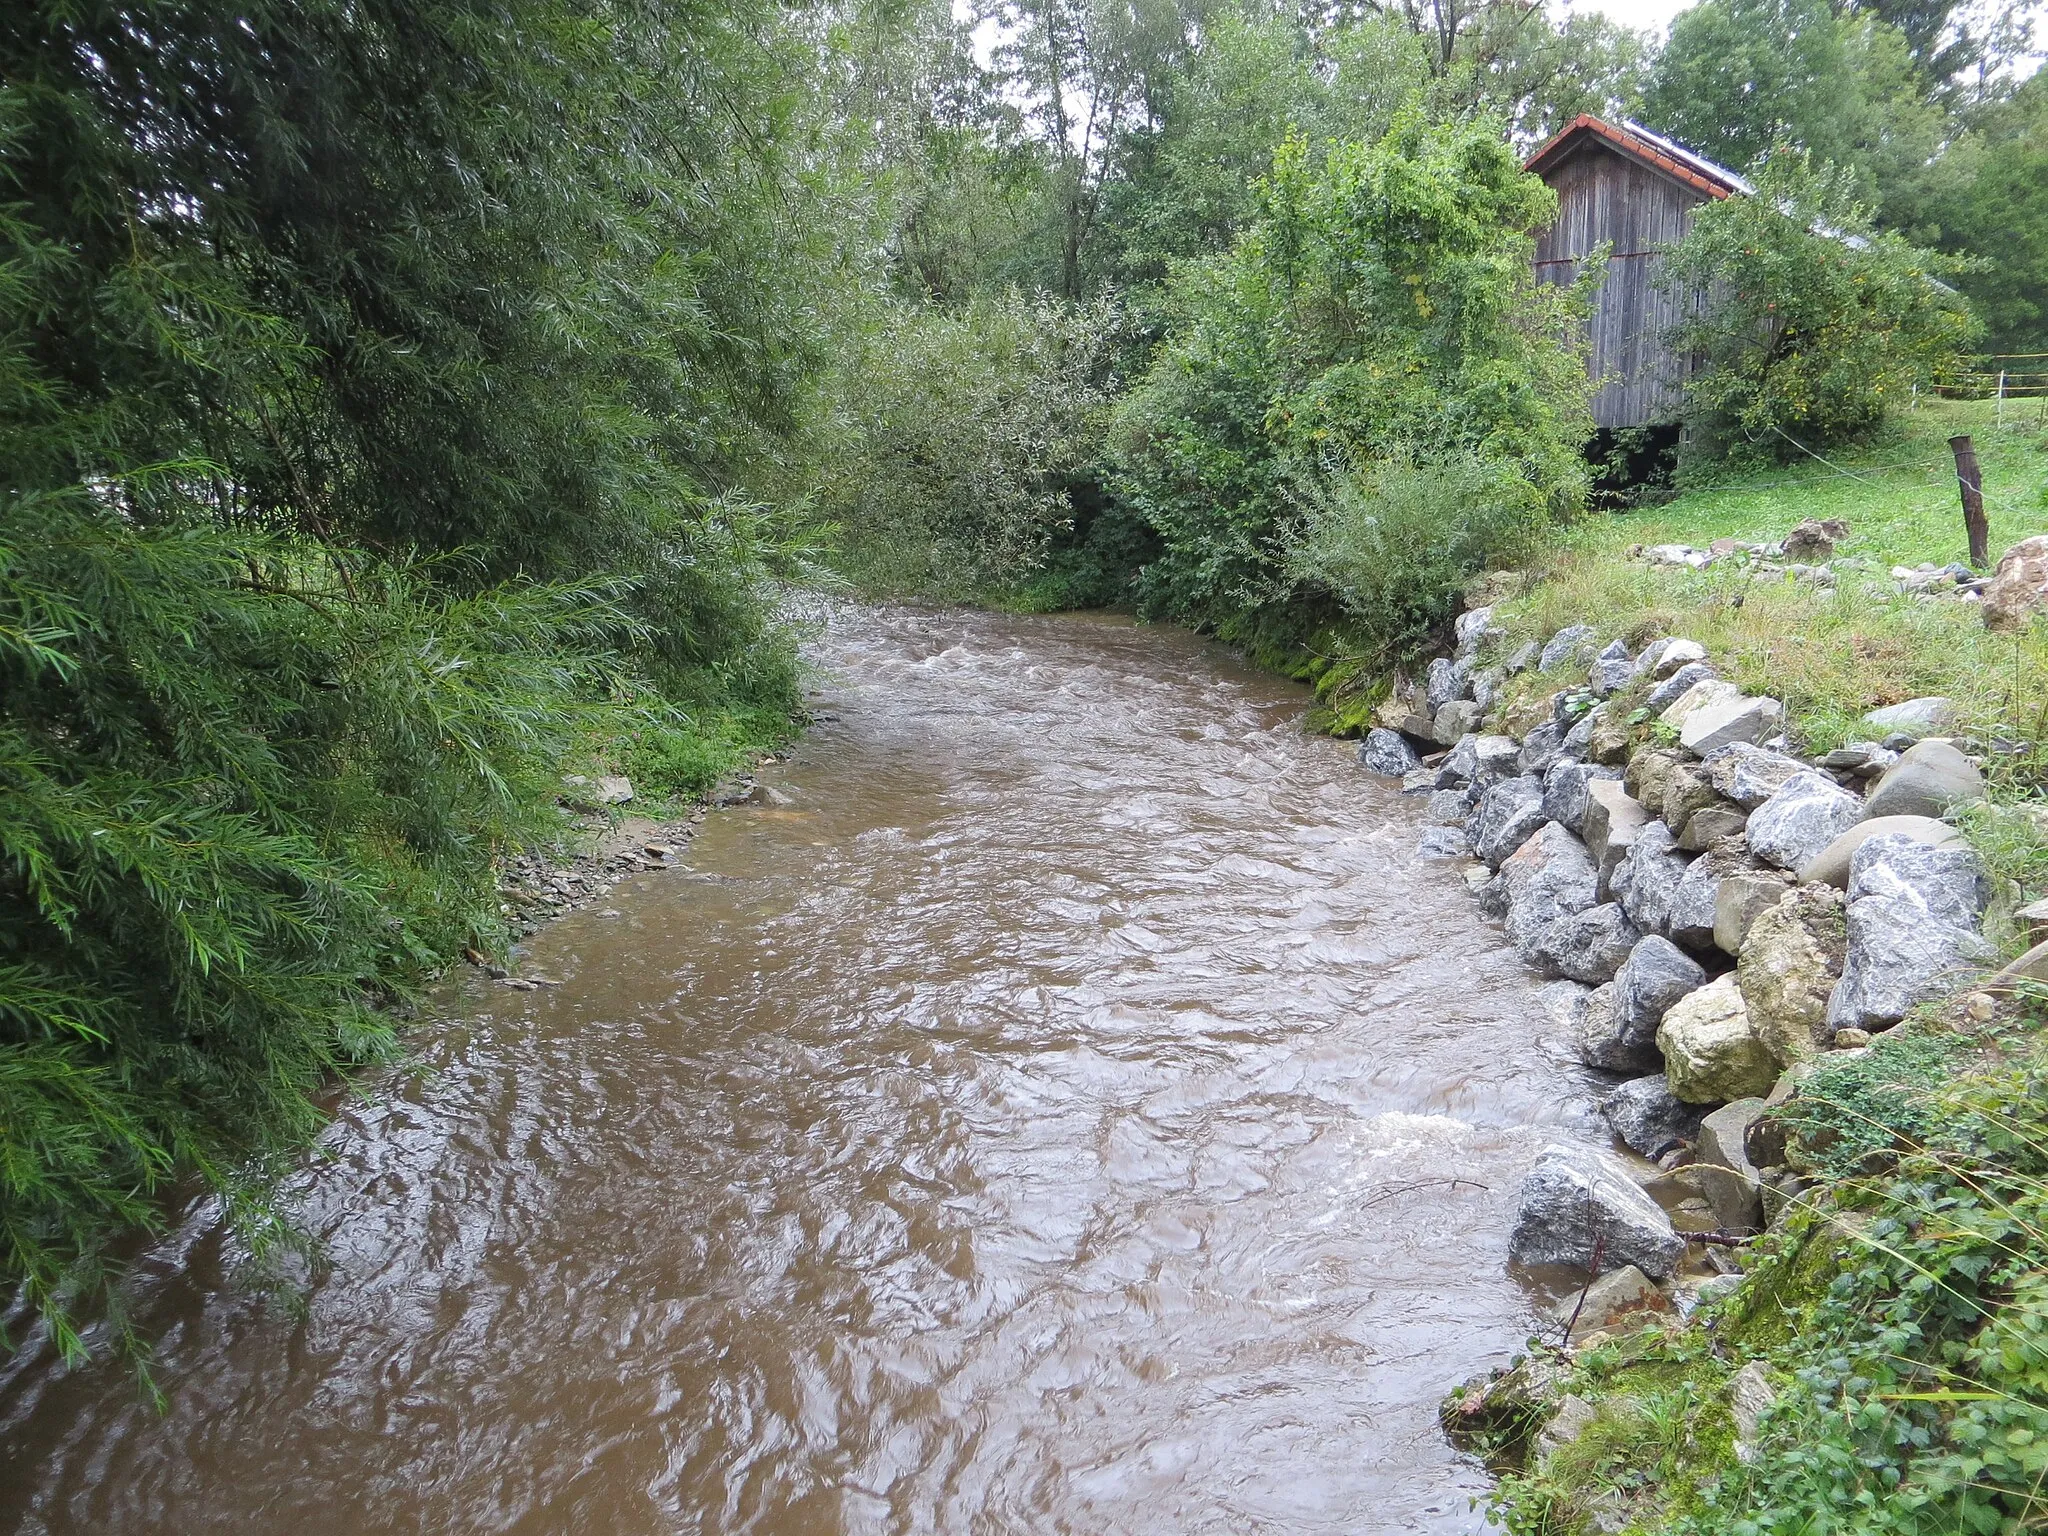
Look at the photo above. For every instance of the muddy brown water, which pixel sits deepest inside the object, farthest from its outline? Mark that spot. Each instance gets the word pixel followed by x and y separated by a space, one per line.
pixel 1048 1121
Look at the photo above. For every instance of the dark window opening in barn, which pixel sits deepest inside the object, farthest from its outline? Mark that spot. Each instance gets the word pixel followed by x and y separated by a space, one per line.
pixel 1632 466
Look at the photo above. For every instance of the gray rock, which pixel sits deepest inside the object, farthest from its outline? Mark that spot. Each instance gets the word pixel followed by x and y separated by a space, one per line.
pixel 1589 946
pixel 1690 924
pixel 1575 1200
pixel 1567 1426
pixel 1442 843
pixel 1489 890
pixel 1479 760
pixel 1473 630
pixel 1913 915
pixel 1613 650
pixel 1678 684
pixel 613 789
pixel 1563 1004
pixel 1863 759
pixel 1725 722
pixel 1565 646
pixel 1704 828
pixel 1741 897
pixel 1928 778
pixel 1649 771
pixel 1443 685
pixel 1549 879
pixel 1448 808
pixel 1578 741
pixel 1648 1116
pixel 1522 658
pixel 1420 782
pixel 1646 880
pixel 1831 865
pixel 1569 705
pixel 1687 792
pixel 1596 1034
pixel 1700 695
pixel 1607 678
pixel 1656 975
pixel 1750 775
pixel 1725 1175
pixel 1486 683
pixel 1801 819
pixel 1564 790
pixel 1613 821
pixel 1542 748
pixel 1750 1396
pixel 1387 753
pixel 1675 655
pixel 1915 718
pixel 1711 1054
pixel 1621 1298
pixel 1509 814
pixel 1455 720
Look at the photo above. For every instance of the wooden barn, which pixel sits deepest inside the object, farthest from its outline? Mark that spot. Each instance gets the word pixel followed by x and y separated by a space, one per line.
pixel 1635 191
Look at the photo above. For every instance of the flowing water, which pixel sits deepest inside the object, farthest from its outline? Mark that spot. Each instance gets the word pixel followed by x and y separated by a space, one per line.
pixel 1076 1110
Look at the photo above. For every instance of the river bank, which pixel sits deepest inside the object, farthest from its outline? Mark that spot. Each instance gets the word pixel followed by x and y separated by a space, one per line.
pixel 1766 916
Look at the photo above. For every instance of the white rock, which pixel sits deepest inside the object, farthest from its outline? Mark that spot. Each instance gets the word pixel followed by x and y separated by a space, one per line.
pixel 1796 824
pixel 1724 722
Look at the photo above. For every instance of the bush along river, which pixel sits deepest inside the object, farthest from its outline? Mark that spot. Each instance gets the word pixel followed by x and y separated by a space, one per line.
pixel 1069 1103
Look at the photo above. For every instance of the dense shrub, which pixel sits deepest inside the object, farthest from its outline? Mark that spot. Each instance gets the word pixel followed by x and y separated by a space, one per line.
pixel 955 438
pixel 365 373
pixel 1378 333
pixel 1812 323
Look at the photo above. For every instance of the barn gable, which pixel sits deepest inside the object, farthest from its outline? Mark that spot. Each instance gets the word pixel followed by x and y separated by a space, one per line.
pixel 1634 191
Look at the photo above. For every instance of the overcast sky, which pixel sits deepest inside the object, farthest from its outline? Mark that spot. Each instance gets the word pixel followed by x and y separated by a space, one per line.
pixel 1644 15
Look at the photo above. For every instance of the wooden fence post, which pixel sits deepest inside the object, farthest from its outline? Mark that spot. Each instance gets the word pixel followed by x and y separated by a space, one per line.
pixel 1971 479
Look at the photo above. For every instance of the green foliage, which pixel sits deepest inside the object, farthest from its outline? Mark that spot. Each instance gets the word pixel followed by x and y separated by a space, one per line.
pixel 954 438
pixel 1870 1105
pixel 1741 77
pixel 1991 200
pixel 366 374
pixel 1380 319
pixel 1814 324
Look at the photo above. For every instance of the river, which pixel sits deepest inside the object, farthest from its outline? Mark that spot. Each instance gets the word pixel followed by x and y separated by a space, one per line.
pixel 1076 1110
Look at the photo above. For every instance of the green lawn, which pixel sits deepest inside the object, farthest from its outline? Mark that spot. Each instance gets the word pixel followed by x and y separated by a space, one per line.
pixel 1899 496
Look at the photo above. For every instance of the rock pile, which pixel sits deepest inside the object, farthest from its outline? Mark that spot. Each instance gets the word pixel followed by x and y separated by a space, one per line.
pixel 1716 911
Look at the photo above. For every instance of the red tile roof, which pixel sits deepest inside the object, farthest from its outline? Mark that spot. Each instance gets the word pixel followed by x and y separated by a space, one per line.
pixel 1638 143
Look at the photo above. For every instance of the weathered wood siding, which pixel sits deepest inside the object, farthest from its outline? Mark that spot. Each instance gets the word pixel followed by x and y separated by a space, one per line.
pixel 1605 196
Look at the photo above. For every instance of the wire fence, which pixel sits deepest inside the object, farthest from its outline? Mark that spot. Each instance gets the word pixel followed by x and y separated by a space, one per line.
pixel 2009 379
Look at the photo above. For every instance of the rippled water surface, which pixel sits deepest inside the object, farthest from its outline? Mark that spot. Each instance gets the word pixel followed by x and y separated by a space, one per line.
pixel 1077 1110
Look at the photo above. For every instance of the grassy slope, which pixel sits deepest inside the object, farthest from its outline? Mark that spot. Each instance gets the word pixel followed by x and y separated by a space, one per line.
pixel 1901 1319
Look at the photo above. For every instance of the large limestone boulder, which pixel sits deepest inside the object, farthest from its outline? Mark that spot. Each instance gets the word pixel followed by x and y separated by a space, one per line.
pixel 1542 747
pixel 1916 718
pixel 1711 1054
pixel 1648 1116
pixel 1576 1201
pixel 2019 587
pixel 1831 865
pixel 1647 879
pixel 1725 722
pixel 1912 929
pixel 1473 628
pixel 1443 683
pixel 1741 896
pixel 1678 684
pixel 1568 646
pixel 1614 819
pixel 1707 691
pixel 1509 814
pixel 1656 975
pixel 1387 753
pixel 1801 819
pixel 1790 963
pixel 1546 880
pixel 1564 791
pixel 1929 777
pixel 1454 721
pixel 1691 921
pixel 1589 946
pixel 1597 1036
pixel 1750 775
pixel 1479 761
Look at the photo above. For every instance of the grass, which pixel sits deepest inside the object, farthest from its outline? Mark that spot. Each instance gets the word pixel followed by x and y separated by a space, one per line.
pixel 1832 655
